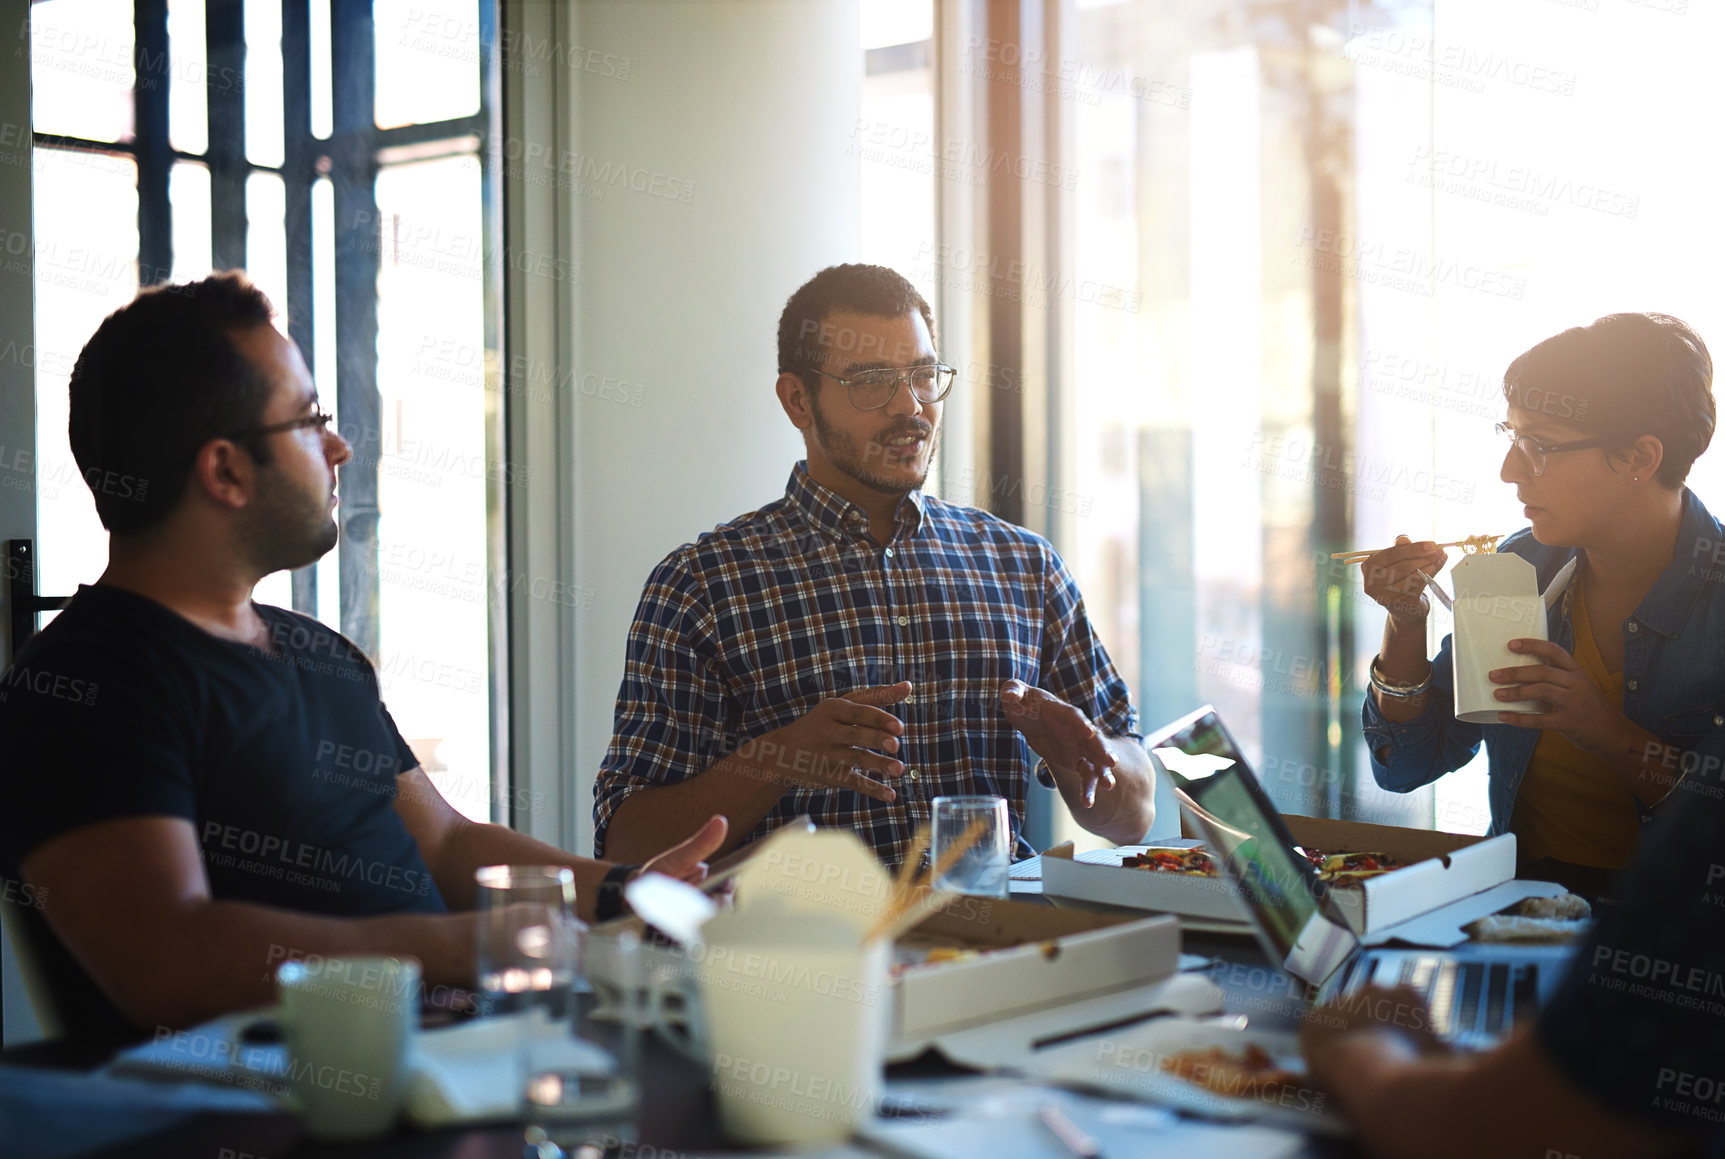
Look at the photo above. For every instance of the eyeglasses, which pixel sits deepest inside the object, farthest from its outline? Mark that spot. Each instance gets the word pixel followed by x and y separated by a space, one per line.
pixel 873 389
pixel 319 419
pixel 1536 451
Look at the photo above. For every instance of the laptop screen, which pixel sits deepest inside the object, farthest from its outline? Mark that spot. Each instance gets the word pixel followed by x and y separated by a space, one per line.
pixel 1299 931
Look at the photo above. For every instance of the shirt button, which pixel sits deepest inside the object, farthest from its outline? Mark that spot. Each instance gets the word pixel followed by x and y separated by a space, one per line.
pixel 889 553
pixel 904 621
pixel 1718 721
pixel 1634 685
pixel 1633 626
pixel 911 774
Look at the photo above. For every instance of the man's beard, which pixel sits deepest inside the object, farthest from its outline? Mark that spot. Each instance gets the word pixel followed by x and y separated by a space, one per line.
pixel 289 528
pixel 842 449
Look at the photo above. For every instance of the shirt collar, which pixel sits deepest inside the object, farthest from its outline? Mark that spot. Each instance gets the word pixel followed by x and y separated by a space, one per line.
pixel 838 516
pixel 1680 586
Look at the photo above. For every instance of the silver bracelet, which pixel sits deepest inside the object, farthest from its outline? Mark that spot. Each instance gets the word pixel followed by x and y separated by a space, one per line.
pixel 1399 691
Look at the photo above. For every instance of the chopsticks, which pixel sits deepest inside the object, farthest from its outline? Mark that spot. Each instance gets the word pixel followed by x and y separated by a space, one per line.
pixel 1473 543
pixel 913 900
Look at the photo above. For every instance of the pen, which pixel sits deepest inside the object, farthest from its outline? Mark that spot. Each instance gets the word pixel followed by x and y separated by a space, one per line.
pixel 1064 1129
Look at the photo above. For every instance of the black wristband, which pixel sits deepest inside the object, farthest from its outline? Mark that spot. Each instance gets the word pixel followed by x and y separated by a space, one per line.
pixel 610 903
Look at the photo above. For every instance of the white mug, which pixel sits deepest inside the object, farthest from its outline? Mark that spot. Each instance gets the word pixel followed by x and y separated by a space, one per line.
pixel 349 1023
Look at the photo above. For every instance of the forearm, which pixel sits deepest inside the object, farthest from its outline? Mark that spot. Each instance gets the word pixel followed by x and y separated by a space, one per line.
pixel 1507 1103
pixel 475 845
pixel 221 956
pixel 1124 813
pixel 649 821
pixel 1402 660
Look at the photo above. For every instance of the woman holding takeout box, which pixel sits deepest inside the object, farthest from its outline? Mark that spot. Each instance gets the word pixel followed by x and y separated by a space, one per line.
pixel 1604 422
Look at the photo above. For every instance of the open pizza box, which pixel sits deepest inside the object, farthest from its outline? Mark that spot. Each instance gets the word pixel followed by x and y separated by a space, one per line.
pixel 999 962
pixel 1438 869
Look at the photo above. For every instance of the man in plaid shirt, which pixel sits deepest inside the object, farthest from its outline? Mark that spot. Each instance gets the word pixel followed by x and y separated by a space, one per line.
pixel 857 648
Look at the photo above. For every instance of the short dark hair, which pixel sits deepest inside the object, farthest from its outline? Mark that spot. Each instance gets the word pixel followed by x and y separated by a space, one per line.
pixel 862 289
pixel 160 378
pixel 1624 376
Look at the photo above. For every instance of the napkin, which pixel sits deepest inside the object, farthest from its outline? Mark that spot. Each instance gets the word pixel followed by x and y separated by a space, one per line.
pixel 472 1072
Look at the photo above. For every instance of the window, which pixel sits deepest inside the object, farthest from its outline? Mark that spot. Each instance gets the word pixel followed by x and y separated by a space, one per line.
pixel 335 152
pixel 1333 225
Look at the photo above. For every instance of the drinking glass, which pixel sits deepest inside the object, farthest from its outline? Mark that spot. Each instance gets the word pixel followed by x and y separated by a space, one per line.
pixel 982 869
pixel 529 961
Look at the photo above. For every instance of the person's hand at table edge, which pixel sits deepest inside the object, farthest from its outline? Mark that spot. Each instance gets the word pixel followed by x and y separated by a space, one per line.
pixel 1408 1095
pixel 687 860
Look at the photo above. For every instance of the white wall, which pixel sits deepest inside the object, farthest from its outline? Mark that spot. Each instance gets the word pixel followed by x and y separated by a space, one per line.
pixel 747 107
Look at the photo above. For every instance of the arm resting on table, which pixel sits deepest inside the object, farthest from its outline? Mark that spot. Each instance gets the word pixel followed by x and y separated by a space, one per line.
pixel 132 903
pixel 1508 1102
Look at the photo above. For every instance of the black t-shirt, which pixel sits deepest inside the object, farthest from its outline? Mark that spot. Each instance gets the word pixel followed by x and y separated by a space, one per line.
pixel 1639 1021
pixel 284 760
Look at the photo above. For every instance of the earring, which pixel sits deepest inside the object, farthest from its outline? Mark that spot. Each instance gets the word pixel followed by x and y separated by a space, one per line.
pixel 1635 478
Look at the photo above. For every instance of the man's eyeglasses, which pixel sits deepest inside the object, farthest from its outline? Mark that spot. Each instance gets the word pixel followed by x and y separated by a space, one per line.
pixel 873 389
pixel 1536 451
pixel 319 419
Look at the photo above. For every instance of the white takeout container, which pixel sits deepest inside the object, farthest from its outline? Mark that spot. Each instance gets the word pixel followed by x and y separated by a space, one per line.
pixel 1038 958
pixel 1497 599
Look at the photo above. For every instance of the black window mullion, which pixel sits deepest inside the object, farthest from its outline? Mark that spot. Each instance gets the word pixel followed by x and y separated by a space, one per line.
pixel 150 126
pixel 298 173
pixel 353 154
pixel 224 41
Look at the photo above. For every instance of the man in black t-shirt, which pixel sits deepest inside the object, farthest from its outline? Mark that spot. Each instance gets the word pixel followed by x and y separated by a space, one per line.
pixel 197 786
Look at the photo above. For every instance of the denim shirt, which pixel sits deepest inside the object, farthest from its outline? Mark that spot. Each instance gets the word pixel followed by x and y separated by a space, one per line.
pixel 1673 673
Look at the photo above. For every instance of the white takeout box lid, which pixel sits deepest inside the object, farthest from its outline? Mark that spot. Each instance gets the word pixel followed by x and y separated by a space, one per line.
pixel 771 922
pixel 829 871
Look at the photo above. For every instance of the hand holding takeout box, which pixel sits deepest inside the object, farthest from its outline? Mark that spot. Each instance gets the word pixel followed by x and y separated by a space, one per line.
pixel 1497 599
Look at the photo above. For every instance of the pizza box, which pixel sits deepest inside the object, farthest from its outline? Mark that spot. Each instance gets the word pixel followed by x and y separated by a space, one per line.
pixel 1441 868
pixel 1030 957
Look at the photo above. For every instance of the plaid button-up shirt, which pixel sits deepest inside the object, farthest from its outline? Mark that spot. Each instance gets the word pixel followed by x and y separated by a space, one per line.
pixel 757 622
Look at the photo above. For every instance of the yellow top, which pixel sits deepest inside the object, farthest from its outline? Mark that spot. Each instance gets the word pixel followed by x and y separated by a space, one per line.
pixel 1571 805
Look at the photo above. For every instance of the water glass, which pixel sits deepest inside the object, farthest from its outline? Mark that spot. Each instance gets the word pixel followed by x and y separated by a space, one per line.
pixel 529 963
pixel 982 869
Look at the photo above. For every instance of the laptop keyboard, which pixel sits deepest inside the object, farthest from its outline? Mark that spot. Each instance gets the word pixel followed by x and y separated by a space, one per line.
pixel 1468 999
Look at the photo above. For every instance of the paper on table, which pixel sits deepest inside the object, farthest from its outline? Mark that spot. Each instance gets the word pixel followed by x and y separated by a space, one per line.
pixel 1005 1121
pixel 469 1073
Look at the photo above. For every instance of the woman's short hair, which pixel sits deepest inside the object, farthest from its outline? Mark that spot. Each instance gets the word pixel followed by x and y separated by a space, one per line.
pixel 1621 377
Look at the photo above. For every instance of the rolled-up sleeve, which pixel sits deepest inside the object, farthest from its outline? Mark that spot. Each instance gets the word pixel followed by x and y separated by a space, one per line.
pixel 674 716
pixel 1075 665
pixel 1409 754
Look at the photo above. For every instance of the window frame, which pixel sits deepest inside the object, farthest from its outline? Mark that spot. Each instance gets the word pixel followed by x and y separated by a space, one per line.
pixel 350 158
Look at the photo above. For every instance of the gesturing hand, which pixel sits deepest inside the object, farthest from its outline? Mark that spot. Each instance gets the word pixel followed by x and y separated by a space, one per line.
pixel 833 743
pixel 687 861
pixel 1575 705
pixel 1061 735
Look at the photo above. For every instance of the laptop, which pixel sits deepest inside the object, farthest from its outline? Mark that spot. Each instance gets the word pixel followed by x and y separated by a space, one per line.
pixel 1475 1001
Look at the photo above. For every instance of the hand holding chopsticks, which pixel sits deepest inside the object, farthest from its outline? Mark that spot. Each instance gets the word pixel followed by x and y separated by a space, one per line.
pixel 1473 545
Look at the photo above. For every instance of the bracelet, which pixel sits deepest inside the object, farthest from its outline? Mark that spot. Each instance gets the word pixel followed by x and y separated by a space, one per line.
pixel 1399 691
pixel 610 902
